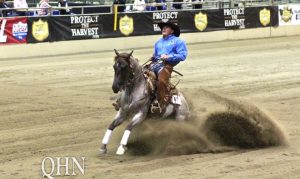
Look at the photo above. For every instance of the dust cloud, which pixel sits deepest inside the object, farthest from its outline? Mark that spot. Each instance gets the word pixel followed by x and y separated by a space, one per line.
pixel 218 124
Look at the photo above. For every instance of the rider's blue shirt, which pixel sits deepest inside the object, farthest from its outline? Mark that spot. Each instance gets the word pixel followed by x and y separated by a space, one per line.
pixel 172 46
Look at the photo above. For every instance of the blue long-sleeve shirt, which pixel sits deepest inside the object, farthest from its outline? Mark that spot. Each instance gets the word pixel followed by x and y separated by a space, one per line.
pixel 172 46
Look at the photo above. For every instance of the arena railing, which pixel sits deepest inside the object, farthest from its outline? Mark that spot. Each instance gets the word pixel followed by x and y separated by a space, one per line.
pixel 150 7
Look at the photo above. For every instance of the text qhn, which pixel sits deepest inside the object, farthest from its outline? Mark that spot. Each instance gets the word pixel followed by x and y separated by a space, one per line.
pixel 62 166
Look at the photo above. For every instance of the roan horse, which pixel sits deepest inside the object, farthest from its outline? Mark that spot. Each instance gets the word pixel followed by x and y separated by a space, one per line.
pixel 135 100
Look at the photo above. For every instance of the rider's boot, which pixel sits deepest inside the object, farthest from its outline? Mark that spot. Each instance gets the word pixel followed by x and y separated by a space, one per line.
pixel 155 107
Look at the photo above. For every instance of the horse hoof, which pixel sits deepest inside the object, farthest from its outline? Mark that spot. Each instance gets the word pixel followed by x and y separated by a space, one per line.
pixel 121 150
pixel 103 150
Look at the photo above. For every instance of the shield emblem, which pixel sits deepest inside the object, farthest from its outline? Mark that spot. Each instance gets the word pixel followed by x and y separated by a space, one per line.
pixel 40 30
pixel 126 25
pixel 265 16
pixel 200 21
pixel 287 14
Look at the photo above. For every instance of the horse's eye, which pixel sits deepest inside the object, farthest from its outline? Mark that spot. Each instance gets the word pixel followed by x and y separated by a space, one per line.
pixel 116 65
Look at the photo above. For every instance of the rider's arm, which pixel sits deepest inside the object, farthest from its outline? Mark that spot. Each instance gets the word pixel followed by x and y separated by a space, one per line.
pixel 180 54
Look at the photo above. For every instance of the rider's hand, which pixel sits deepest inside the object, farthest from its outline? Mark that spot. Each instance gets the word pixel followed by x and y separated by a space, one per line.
pixel 164 57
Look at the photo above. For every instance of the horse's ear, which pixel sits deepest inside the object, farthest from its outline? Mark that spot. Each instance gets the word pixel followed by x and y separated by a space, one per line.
pixel 131 53
pixel 116 51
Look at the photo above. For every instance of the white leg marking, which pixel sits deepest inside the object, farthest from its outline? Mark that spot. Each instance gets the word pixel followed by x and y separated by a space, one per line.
pixel 125 137
pixel 106 136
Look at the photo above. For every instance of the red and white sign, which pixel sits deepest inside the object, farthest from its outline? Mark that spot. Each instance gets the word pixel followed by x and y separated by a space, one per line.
pixel 13 30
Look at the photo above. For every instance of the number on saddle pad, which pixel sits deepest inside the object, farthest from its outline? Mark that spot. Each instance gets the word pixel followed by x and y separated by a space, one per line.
pixel 176 99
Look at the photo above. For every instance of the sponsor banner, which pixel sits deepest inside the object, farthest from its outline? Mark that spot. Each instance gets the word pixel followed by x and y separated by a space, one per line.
pixel 13 30
pixel 289 14
pixel 261 16
pixel 39 29
pixel 76 27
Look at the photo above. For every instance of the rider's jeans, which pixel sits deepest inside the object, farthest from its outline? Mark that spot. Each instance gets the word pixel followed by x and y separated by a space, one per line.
pixel 156 67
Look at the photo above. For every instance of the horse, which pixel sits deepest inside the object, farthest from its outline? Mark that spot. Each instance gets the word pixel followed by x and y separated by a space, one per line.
pixel 135 99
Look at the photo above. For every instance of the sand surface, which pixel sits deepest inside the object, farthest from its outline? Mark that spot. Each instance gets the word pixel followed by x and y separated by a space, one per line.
pixel 59 106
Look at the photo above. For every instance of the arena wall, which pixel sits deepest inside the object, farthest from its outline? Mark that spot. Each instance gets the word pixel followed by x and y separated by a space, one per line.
pixel 41 50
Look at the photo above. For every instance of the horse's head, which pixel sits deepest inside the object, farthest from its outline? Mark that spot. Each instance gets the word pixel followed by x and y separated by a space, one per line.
pixel 123 70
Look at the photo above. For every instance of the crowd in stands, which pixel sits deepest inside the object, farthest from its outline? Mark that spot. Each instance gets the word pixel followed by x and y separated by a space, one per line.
pixel 20 7
pixel 147 5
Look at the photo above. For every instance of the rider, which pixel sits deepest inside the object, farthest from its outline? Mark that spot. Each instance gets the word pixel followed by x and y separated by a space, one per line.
pixel 169 49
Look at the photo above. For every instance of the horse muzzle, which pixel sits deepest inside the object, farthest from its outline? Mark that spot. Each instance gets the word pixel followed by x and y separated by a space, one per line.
pixel 115 88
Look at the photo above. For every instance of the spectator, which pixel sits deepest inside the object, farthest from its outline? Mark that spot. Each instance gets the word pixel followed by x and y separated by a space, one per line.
pixel 45 8
pixel 161 7
pixel 20 4
pixel 197 6
pixel 149 7
pixel 177 6
pixel 64 4
pixel 121 4
pixel 139 5
pixel 3 5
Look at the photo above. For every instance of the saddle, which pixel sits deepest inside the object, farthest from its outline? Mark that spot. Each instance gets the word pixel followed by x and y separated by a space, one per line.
pixel 152 80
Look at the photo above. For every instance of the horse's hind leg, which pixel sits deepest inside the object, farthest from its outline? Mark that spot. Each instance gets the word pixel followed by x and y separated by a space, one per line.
pixel 136 120
pixel 119 118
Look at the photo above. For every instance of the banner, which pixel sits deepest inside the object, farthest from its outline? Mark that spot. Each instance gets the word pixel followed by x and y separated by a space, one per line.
pixel 289 14
pixel 13 30
pixel 77 27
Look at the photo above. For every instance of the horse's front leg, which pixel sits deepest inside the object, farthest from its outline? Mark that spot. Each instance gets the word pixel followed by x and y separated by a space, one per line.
pixel 119 118
pixel 138 117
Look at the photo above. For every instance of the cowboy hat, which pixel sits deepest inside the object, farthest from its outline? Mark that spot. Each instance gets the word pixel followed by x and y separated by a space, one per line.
pixel 173 26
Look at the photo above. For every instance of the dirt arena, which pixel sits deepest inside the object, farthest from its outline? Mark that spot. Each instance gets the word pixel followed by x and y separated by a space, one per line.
pixel 60 106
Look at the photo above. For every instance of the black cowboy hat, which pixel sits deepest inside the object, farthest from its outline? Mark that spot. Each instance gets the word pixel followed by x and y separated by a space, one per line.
pixel 173 26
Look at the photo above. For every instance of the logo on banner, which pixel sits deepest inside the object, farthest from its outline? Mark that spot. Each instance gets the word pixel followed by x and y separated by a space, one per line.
pixel 200 21
pixel 40 30
pixel 126 25
pixel 286 14
pixel 3 37
pixel 19 30
pixel 85 26
pixel 265 16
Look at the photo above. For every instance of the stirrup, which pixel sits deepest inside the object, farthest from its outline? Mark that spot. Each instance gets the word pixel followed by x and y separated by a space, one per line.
pixel 155 107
